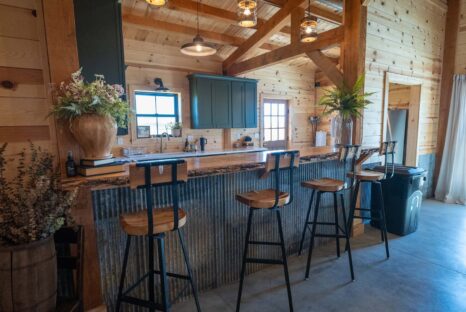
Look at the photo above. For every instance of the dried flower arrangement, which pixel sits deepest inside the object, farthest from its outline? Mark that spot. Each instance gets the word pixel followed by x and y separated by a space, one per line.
pixel 33 205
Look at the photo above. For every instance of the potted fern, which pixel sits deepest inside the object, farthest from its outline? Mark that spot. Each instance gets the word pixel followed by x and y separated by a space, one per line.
pixel 93 111
pixel 33 206
pixel 345 104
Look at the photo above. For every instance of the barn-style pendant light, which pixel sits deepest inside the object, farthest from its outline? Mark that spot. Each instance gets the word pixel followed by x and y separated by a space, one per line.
pixel 157 3
pixel 198 47
pixel 308 26
pixel 247 13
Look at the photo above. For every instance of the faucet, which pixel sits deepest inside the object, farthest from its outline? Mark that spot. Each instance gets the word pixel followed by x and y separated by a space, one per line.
pixel 161 140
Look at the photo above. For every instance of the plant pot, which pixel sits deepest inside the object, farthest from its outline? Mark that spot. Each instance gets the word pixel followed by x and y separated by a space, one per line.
pixel 95 134
pixel 342 130
pixel 28 275
pixel 176 133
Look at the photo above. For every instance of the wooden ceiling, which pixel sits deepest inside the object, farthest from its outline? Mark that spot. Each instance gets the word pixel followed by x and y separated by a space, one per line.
pixel 176 24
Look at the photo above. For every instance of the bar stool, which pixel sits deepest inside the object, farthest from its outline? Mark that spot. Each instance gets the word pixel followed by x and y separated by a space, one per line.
pixel 374 178
pixel 348 153
pixel 272 199
pixel 153 224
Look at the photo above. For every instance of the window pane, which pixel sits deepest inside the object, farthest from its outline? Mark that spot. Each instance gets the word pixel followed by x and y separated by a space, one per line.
pixel 281 109
pixel 281 121
pixel 267 109
pixel 274 135
pixel 274 122
pixel 163 123
pixel 267 135
pixel 274 109
pixel 145 104
pixel 148 121
pixel 267 123
pixel 281 134
pixel 165 105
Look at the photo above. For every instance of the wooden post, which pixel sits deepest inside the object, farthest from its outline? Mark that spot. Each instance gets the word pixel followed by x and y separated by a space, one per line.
pixel 353 52
pixel 448 70
pixel 63 60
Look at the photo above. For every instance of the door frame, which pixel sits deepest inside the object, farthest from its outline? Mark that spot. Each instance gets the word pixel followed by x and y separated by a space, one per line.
pixel 412 135
pixel 271 96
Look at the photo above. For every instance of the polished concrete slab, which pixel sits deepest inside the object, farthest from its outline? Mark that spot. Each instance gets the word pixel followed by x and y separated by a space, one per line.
pixel 426 272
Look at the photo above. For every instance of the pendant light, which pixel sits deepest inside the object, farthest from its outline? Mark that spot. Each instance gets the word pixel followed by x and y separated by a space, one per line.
pixel 157 3
pixel 247 13
pixel 308 26
pixel 198 47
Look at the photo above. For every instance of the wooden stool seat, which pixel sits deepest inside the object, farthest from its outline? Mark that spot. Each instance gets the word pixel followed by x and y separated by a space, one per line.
pixel 324 185
pixel 366 175
pixel 136 223
pixel 263 199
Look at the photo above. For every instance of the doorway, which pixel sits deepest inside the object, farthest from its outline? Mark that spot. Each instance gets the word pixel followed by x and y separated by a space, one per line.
pixel 402 101
pixel 275 123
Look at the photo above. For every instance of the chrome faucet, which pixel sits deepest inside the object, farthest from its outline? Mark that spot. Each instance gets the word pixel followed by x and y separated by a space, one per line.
pixel 161 140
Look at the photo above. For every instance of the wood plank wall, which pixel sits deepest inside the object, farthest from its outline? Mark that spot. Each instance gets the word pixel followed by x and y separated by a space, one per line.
pixel 399 96
pixel 24 63
pixel 147 61
pixel 405 37
pixel 460 64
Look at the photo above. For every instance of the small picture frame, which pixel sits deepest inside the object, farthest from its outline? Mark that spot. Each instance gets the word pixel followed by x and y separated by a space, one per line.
pixel 143 132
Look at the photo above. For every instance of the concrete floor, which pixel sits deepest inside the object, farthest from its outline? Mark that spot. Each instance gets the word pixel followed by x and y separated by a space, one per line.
pixel 426 272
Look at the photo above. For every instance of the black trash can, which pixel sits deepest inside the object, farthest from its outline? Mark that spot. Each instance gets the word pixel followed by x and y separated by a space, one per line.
pixel 402 198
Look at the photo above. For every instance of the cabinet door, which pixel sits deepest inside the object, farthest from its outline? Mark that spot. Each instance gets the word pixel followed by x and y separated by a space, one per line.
pixel 201 103
pixel 250 104
pixel 221 103
pixel 237 104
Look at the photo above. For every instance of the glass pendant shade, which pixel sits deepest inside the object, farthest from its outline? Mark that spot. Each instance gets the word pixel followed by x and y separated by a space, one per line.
pixel 198 47
pixel 157 3
pixel 247 14
pixel 308 29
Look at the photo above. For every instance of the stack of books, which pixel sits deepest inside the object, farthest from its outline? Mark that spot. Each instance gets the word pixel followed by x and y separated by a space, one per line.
pixel 90 167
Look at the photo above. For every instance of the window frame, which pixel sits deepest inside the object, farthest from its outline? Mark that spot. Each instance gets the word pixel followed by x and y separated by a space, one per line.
pixel 270 116
pixel 177 114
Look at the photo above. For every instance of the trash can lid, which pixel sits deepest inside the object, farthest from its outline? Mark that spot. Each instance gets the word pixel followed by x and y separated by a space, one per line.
pixel 402 170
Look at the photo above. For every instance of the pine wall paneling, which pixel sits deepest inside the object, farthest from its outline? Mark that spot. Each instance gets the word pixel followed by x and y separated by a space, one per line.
pixel 460 64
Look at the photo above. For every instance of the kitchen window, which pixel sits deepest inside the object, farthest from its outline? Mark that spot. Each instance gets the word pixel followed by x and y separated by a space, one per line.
pixel 155 111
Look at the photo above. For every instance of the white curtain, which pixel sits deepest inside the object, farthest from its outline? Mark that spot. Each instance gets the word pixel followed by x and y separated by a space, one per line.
pixel 451 186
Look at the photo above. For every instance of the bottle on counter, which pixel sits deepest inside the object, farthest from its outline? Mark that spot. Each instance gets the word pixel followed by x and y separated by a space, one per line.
pixel 70 165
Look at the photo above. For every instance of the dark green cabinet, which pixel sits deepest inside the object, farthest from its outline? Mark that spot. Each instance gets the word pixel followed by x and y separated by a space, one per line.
pixel 219 102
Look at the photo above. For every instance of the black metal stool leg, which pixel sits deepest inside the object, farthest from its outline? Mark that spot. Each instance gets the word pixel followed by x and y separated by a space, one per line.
pixel 285 264
pixel 306 223
pixel 163 273
pixel 123 273
pixel 383 220
pixel 188 268
pixel 314 227
pixel 353 207
pixel 245 253
pixel 337 232
pixel 348 246
pixel 150 280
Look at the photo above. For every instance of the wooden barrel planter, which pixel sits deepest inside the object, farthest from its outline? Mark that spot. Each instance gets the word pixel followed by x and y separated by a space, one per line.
pixel 28 277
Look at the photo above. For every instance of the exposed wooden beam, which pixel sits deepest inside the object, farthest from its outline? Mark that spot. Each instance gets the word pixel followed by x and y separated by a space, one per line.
pixel 153 24
pixel 325 40
pixel 328 67
pixel 353 51
pixel 263 33
pixel 315 11
pixel 295 29
pixel 448 70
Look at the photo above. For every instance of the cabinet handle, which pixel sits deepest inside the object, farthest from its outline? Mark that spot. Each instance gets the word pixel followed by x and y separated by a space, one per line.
pixel 7 84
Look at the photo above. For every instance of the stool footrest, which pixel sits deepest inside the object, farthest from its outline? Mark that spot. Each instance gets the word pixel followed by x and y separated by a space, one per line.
pixel 264 243
pixel 330 235
pixel 321 223
pixel 175 275
pixel 367 218
pixel 142 303
pixel 264 261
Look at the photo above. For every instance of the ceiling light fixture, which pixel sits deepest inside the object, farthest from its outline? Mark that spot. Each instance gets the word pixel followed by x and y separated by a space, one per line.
pixel 308 26
pixel 198 47
pixel 247 13
pixel 157 3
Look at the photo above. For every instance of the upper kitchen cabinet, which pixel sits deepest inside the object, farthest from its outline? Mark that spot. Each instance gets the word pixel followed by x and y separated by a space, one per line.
pixel 222 102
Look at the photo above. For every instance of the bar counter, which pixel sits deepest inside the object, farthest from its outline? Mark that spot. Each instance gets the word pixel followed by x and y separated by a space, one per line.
pixel 216 222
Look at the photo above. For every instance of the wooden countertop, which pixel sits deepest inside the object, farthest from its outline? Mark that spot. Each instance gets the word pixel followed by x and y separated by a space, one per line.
pixel 200 166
